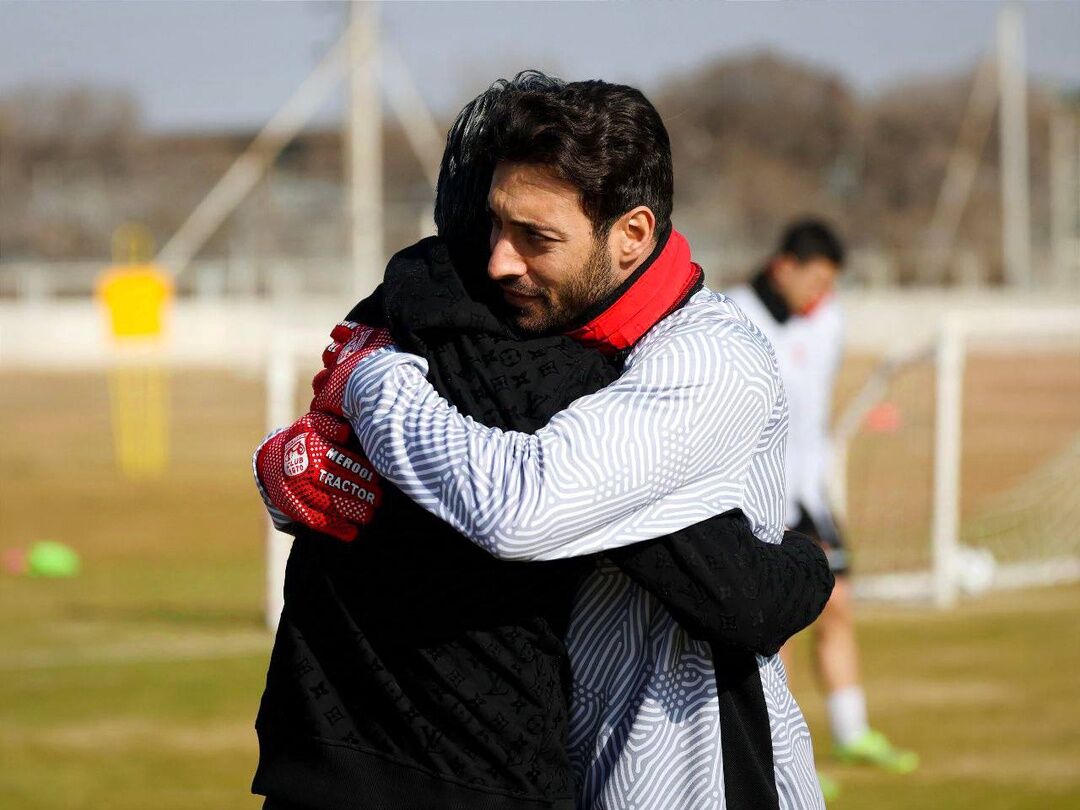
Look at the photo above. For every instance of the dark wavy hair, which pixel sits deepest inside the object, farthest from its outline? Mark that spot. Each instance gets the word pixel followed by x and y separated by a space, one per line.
pixel 461 215
pixel 808 239
pixel 607 140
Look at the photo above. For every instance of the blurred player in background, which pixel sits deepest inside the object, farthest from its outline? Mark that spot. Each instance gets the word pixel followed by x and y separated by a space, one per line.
pixel 791 300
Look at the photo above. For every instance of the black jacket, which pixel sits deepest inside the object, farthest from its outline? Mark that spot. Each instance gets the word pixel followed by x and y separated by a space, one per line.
pixel 413 670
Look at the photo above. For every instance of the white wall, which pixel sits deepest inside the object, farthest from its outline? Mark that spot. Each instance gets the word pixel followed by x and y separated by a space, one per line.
pixel 72 333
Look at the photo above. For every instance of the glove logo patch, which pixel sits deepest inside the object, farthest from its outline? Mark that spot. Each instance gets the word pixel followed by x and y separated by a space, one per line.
pixel 353 346
pixel 295 459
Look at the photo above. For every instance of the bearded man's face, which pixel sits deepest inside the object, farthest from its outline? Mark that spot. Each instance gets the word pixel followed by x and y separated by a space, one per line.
pixel 545 255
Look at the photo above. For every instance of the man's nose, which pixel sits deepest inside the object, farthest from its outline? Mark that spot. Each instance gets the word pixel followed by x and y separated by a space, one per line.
pixel 505 262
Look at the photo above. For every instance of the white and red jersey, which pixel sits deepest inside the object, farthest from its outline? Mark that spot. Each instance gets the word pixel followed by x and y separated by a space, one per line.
pixel 809 349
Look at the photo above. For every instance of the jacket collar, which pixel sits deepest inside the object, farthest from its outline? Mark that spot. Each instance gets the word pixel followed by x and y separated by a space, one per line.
pixel 660 286
pixel 769 297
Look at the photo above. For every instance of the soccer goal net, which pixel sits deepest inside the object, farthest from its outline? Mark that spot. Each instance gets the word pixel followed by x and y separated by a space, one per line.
pixel 957 465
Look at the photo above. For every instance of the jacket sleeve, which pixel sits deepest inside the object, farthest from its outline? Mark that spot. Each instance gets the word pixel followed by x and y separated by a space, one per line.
pixel 725 586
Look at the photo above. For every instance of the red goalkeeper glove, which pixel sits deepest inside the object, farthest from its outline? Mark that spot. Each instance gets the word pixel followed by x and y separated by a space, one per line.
pixel 351 343
pixel 308 477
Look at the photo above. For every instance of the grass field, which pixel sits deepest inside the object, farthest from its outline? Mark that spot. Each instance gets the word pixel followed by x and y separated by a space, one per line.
pixel 135 685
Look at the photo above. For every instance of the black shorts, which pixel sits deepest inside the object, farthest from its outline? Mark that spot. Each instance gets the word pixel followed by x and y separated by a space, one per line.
pixel 828 537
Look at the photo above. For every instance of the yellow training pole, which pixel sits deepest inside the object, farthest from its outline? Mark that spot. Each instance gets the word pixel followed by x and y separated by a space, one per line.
pixel 135 294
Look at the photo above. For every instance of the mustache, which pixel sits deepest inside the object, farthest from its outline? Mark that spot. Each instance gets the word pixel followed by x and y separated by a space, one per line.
pixel 521 287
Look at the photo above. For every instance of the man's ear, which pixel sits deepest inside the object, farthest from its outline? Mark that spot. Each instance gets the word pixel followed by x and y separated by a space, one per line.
pixel 633 237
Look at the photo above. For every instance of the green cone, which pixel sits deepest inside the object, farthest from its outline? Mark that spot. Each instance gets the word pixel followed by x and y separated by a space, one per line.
pixel 51 559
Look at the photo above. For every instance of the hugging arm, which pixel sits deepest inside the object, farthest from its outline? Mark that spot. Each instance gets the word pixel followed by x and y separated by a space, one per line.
pixel 725 586
pixel 609 470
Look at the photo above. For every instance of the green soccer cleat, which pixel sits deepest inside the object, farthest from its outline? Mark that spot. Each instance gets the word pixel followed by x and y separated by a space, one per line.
pixel 874 748
pixel 830 788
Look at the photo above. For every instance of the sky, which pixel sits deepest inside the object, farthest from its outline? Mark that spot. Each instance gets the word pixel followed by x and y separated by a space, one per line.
pixel 229 65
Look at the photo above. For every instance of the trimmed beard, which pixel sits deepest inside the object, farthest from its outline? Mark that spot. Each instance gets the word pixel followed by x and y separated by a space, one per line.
pixel 596 280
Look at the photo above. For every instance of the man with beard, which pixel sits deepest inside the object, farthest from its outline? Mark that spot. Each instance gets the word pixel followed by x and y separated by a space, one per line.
pixel 653 614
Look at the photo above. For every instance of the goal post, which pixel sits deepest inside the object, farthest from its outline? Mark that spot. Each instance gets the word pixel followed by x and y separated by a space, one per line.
pixel 948 438
pixel 1028 331
pixel 978 484
pixel 290 354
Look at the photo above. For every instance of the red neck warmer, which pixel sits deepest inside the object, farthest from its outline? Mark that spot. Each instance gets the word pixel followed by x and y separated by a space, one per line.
pixel 652 292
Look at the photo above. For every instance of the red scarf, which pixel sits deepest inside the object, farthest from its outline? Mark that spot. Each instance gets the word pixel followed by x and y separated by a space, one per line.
pixel 655 289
